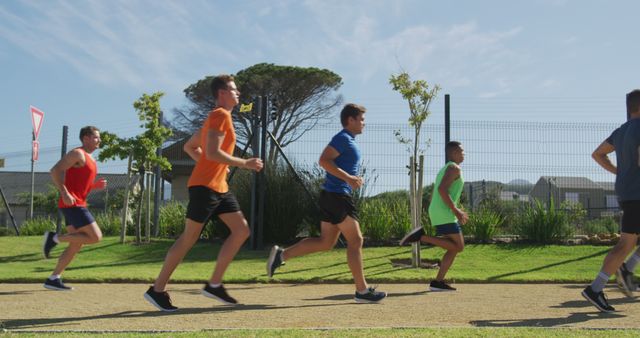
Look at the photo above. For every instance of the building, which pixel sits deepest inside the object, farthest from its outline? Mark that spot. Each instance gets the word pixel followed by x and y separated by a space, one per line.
pixel 598 198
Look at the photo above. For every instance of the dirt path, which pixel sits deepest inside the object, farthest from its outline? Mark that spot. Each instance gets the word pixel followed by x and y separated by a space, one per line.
pixel 115 307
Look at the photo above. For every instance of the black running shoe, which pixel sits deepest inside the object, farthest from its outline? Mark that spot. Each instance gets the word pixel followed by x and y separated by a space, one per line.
pixel 624 278
pixel 598 299
pixel 275 260
pixel 220 294
pixel 56 284
pixel 439 285
pixel 413 236
pixel 48 243
pixel 372 296
pixel 160 300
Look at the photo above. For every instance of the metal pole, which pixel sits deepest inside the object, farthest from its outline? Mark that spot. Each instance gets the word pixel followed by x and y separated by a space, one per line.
pixel 262 178
pixel 148 211
pixel 63 151
pixel 157 193
pixel 33 177
pixel 447 124
pixel 255 146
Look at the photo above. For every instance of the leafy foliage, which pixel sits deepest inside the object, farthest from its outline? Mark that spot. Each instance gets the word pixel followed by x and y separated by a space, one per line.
pixel 418 95
pixel 303 97
pixel 544 225
pixel 483 224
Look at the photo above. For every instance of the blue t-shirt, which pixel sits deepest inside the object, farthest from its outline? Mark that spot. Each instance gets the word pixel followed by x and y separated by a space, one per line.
pixel 348 160
pixel 626 140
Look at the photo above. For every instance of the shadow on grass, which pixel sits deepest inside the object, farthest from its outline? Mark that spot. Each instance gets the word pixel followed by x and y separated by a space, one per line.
pixel 547 322
pixel 496 278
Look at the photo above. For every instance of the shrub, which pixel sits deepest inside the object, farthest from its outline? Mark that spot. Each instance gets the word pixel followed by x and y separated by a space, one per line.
pixel 482 224
pixel 543 225
pixel 288 209
pixel 599 226
pixel 172 219
pixel 382 219
pixel 37 226
pixel 110 223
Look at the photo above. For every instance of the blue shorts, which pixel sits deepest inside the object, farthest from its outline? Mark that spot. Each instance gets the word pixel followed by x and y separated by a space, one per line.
pixel 448 229
pixel 77 216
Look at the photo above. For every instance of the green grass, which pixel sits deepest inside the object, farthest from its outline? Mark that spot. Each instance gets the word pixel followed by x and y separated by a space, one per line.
pixel 430 332
pixel 109 261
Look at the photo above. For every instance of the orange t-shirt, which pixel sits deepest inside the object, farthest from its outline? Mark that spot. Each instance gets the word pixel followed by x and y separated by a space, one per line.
pixel 210 174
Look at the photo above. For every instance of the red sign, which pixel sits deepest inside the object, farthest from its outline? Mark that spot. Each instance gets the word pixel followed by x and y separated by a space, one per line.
pixel 34 150
pixel 36 119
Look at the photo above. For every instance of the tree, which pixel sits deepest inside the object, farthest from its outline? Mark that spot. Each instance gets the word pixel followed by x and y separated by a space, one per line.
pixel 418 95
pixel 302 97
pixel 141 149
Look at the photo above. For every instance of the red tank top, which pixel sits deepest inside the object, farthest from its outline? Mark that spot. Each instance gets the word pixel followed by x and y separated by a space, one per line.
pixel 79 181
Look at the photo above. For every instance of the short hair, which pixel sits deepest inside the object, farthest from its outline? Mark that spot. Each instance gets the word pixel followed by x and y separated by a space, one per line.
pixel 220 82
pixel 451 146
pixel 633 101
pixel 350 110
pixel 88 131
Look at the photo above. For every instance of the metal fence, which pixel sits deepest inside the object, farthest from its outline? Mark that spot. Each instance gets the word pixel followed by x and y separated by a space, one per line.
pixel 506 160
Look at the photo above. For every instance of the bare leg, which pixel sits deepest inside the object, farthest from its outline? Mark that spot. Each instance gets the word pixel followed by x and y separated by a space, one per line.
pixel 88 234
pixel 619 252
pixel 177 252
pixel 68 254
pixel 443 242
pixel 350 228
pixel 450 255
pixel 329 234
pixel 236 222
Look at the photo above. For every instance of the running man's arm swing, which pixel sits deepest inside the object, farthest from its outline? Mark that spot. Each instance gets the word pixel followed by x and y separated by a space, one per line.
pixel 74 158
pixel 601 156
pixel 451 174
pixel 329 154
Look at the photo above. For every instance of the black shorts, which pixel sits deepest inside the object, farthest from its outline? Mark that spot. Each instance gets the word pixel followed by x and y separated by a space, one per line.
pixel 336 207
pixel 630 217
pixel 204 203
pixel 77 216
pixel 448 229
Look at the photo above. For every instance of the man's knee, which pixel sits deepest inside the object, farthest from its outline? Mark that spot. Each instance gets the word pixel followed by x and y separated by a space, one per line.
pixel 355 241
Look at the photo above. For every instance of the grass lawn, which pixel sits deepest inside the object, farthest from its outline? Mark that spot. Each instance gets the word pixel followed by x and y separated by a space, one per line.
pixel 21 261
pixel 429 332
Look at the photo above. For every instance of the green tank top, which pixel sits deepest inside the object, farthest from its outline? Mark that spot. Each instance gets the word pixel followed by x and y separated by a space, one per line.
pixel 439 212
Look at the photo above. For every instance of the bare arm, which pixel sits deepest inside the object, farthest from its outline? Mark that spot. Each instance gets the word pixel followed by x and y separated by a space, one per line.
pixel 74 158
pixel 601 156
pixel 452 174
pixel 214 140
pixel 192 146
pixel 329 154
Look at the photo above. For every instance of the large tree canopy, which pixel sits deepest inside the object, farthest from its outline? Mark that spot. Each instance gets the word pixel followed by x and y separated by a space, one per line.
pixel 303 96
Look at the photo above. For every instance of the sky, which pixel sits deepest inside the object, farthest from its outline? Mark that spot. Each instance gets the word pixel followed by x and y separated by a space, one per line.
pixel 86 62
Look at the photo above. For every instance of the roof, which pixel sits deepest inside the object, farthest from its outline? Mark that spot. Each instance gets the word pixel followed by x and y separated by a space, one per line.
pixel 569 182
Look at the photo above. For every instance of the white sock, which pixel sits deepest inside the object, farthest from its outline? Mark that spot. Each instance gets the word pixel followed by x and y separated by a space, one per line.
pixel 55 238
pixel 363 292
pixel 633 261
pixel 215 286
pixel 54 277
pixel 601 279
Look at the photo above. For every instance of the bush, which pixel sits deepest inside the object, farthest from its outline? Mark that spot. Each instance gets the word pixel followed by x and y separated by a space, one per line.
pixel 600 226
pixel 482 224
pixel 543 225
pixel 386 218
pixel 288 209
pixel 172 219
pixel 37 226
pixel 110 223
